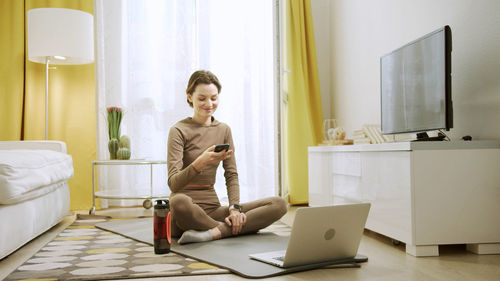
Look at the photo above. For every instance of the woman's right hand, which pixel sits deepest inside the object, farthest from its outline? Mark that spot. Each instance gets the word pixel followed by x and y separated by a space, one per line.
pixel 209 156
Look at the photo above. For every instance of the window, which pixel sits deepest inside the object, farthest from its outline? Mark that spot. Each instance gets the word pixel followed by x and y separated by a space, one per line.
pixel 146 51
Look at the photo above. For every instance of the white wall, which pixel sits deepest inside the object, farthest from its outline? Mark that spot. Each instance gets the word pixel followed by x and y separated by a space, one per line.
pixel 361 31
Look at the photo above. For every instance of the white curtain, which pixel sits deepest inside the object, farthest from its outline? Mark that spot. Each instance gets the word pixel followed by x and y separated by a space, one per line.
pixel 146 51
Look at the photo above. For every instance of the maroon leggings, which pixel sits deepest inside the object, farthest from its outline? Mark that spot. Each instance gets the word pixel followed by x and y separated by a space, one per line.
pixel 187 215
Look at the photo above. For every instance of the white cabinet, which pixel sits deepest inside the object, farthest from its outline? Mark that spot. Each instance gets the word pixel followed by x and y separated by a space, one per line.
pixel 424 194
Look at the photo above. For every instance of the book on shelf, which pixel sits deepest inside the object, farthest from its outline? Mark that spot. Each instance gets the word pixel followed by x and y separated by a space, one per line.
pixel 362 141
pixel 337 142
pixel 373 133
pixel 356 137
pixel 358 133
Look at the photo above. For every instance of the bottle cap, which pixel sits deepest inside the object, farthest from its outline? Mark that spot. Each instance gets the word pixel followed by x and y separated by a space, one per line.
pixel 162 204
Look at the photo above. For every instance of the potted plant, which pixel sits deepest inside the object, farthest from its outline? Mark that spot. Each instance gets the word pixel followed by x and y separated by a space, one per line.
pixel 119 146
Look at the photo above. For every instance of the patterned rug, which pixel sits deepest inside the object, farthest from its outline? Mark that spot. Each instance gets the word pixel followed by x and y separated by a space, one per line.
pixel 84 252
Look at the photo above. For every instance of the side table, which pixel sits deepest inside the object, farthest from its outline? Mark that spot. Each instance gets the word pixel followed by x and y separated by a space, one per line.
pixel 147 197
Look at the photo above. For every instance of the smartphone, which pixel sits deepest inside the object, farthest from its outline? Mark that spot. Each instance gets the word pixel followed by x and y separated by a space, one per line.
pixel 221 147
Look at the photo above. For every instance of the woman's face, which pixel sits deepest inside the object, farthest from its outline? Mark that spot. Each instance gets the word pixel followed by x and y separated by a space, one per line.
pixel 205 99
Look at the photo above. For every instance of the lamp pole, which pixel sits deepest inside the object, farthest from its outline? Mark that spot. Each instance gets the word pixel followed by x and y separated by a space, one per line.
pixel 47 60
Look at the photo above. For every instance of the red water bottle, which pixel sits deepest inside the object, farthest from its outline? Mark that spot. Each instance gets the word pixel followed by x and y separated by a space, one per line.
pixel 162 237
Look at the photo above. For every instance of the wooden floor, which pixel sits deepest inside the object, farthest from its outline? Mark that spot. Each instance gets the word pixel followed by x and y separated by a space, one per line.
pixel 386 261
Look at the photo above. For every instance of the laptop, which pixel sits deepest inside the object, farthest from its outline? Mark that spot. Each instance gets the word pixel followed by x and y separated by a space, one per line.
pixel 321 234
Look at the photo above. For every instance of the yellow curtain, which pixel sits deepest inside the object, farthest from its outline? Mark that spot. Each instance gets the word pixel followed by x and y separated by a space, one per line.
pixel 11 69
pixel 71 96
pixel 304 114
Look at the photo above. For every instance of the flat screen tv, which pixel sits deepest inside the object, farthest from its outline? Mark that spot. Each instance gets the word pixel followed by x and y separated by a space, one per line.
pixel 415 84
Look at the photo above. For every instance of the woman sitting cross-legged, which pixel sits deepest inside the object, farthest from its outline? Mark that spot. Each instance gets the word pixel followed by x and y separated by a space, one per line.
pixel 197 214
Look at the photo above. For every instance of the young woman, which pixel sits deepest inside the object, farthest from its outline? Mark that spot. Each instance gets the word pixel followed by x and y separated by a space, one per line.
pixel 192 163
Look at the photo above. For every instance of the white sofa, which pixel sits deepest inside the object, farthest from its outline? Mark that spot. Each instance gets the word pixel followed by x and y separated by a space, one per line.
pixel 34 192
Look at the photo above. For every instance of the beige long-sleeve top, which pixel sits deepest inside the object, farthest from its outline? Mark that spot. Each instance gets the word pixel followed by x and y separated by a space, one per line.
pixel 186 141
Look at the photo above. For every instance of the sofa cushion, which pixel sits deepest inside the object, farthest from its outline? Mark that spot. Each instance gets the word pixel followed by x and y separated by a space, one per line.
pixel 24 171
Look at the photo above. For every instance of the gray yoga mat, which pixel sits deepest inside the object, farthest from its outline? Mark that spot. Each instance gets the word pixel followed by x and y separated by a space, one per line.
pixel 229 253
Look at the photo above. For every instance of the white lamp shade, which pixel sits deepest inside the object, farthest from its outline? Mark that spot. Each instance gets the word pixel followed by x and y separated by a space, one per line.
pixel 60 32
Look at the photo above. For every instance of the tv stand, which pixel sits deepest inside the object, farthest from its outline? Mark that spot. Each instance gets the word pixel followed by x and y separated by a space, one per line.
pixel 425 137
pixel 423 194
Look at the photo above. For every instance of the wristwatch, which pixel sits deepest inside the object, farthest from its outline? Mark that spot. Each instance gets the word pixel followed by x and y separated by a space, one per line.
pixel 235 207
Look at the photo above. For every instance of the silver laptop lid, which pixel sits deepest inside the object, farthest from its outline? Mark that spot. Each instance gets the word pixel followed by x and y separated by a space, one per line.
pixel 326 233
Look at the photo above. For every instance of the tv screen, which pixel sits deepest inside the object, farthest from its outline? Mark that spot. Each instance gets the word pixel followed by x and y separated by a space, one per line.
pixel 415 84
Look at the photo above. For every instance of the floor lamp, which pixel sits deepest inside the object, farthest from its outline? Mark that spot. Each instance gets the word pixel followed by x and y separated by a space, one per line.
pixel 61 37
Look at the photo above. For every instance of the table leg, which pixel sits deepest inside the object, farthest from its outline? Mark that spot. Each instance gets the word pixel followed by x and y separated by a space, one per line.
pixel 92 210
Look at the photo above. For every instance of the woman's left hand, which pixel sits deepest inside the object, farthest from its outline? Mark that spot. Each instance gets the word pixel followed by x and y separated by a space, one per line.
pixel 236 220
